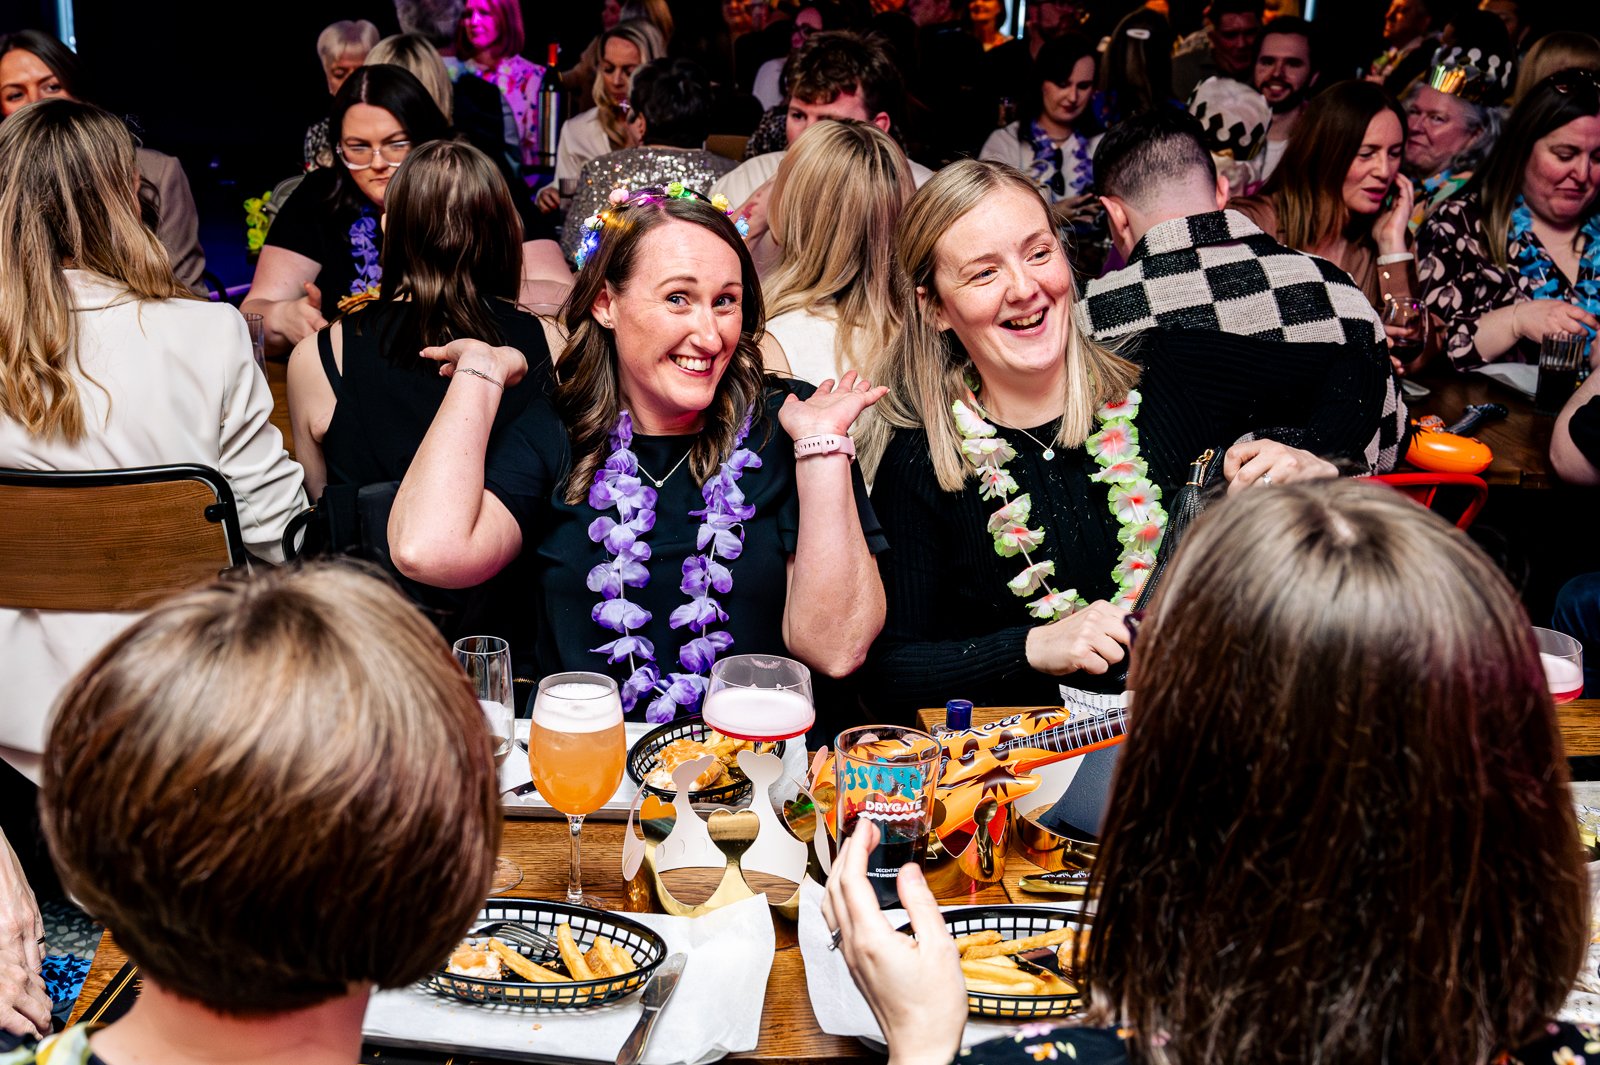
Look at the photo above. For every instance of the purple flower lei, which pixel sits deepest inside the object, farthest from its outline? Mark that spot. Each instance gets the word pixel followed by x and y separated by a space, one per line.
pixel 365 252
pixel 721 536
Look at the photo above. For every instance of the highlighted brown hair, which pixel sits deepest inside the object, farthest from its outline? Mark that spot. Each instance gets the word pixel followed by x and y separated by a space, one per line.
pixel 1341 830
pixel 275 791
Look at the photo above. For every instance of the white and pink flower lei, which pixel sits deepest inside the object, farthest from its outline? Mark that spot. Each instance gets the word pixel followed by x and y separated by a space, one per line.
pixel 1134 499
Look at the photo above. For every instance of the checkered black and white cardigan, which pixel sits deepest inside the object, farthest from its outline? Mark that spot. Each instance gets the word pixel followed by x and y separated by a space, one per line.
pixel 1219 271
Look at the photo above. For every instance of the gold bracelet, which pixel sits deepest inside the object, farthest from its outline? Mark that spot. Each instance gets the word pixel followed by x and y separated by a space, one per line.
pixel 480 373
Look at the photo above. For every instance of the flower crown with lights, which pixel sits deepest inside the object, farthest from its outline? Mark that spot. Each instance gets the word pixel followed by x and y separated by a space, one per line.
pixel 620 199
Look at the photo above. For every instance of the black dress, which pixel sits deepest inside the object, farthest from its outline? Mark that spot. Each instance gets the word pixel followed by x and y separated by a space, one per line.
pixel 314 225
pixel 386 400
pixel 527 472
pixel 954 630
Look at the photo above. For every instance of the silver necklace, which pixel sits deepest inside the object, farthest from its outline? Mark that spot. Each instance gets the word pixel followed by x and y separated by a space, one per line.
pixel 663 480
pixel 1049 451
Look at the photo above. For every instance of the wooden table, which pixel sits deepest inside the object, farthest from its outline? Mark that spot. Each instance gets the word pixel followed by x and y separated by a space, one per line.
pixel 789 1031
pixel 1520 441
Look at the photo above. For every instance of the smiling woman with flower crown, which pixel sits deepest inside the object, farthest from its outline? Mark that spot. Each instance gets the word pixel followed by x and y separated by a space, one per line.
pixel 1020 476
pixel 680 506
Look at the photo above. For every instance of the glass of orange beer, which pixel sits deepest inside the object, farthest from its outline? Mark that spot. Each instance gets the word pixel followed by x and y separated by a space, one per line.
pixel 576 749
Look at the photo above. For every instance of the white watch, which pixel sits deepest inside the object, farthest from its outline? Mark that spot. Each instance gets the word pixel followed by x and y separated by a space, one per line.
pixel 824 445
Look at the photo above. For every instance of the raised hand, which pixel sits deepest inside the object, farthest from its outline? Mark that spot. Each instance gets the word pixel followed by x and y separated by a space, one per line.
pixel 831 410
pixel 913 986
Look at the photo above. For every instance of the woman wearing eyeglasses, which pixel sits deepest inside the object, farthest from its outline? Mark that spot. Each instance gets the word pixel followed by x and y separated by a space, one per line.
pixel 324 244
pixel 1516 258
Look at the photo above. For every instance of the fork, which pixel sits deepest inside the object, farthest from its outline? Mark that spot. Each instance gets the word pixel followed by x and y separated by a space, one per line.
pixel 521 935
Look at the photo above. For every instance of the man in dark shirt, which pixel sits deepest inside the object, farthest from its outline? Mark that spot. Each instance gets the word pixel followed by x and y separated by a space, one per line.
pixel 1193 265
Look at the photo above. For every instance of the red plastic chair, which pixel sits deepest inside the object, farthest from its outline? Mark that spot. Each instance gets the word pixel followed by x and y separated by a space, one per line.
pixel 1425 489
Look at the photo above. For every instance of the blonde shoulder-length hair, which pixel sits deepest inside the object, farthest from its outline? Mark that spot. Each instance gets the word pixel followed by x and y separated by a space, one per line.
pixel 416 53
pixel 843 255
pixel 927 369
pixel 68 194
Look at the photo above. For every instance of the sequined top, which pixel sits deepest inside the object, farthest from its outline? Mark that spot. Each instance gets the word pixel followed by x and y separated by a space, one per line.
pixel 634 168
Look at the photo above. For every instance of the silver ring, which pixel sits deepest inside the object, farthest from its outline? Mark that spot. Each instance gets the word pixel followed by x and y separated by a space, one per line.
pixel 838 934
pixel 1266 479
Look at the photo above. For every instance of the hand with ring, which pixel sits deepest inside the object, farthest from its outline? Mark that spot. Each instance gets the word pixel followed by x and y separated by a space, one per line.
pixel 913 985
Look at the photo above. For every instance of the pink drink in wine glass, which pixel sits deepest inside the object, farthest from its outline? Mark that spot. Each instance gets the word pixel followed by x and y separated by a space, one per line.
pixel 759 698
pixel 1562 659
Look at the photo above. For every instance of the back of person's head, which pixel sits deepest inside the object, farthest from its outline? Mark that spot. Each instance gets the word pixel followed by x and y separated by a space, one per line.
pixel 1307 188
pixel 1155 156
pixel 1137 70
pixel 1561 50
pixel 1342 828
pixel 656 12
pixel 275 792
pixel 845 253
pixel 452 245
pixel 673 96
pixel 837 62
pixel 345 37
pixel 435 20
pixel 1563 97
pixel 68 181
pixel 413 52
pixel 49 50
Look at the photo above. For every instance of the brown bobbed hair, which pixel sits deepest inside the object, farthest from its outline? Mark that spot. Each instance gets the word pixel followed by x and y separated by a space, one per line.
pixel 588 393
pixel 275 791
pixel 1341 828
pixel 1307 188
pixel 452 246
pixel 507 16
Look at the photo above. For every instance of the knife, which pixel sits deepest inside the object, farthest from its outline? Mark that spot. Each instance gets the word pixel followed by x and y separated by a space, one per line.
pixel 656 993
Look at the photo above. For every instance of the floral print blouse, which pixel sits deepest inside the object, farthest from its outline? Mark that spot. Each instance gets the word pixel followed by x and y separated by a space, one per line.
pixel 520 81
pixel 1561 1044
pixel 1461 283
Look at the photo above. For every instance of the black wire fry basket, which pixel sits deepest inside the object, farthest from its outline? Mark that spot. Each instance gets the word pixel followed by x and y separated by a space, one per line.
pixel 642 759
pixel 527 922
pixel 1014 923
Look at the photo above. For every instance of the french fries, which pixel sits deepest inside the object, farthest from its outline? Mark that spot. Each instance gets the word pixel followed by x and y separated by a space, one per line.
pixel 603 959
pixel 988 967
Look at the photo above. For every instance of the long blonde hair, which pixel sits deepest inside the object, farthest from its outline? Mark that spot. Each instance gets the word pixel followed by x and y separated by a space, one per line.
pixel 413 52
pixel 68 191
pixel 843 255
pixel 927 370
pixel 644 36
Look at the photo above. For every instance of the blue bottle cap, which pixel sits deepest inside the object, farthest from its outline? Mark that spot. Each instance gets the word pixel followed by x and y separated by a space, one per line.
pixel 958 714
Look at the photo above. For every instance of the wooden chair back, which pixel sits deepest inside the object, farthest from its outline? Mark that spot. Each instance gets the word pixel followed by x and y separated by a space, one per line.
pixel 727 145
pixel 113 539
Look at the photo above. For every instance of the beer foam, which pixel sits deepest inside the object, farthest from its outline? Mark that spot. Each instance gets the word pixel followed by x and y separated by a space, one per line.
pixel 576 706
pixel 1562 674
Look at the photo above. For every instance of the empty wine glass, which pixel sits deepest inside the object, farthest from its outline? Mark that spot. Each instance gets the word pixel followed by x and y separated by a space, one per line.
pixel 486 660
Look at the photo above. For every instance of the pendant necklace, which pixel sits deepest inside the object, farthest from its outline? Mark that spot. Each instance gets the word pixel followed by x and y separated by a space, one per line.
pixel 1049 451
pixel 669 473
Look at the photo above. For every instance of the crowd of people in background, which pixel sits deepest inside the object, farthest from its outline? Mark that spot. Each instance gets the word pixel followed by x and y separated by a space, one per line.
pixel 828 331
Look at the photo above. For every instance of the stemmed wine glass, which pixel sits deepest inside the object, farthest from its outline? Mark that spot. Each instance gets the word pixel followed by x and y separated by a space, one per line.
pixel 576 749
pixel 759 698
pixel 486 660
pixel 1406 322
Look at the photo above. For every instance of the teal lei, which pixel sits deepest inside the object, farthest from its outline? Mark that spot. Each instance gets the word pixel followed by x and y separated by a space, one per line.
pixel 1536 265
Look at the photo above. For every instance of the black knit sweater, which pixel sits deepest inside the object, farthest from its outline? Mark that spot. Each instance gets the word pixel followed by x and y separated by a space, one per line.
pixel 954 630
